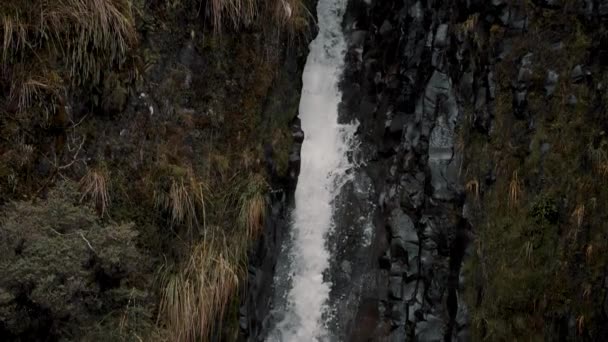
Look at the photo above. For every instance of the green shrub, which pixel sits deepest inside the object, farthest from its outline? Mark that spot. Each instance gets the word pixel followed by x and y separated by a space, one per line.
pixel 61 271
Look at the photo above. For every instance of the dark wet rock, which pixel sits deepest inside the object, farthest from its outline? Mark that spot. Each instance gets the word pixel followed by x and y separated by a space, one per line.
pixel 297 133
pixel 551 4
pixel 504 49
pixel 398 268
pixel 514 19
pixel 525 72
pixel 481 99
pixel 431 329
pixel 577 74
pixel 402 227
pixel 363 187
pixel 482 121
pixel 441 36
pixel 404 237
pixel 572 100
pixel 412 291
pixel 586 8
pixel 415 11
pixel 384 261
pixel 603 9
pixel 398 335
pixel 398 313
pixel 462 315
pixel 466 85
pixel 413 270
pixel 491 85
pixel 520 103
pixel 440 158
pixel 399 121
pixel 412 194
pixel 396 287
pixel 438 87
pixel 556 46
pixel 409 115
pixel 551 82
pixel 367 107
pixel 386 27
pixel 490 177
pixel 357 38
pixel 411 136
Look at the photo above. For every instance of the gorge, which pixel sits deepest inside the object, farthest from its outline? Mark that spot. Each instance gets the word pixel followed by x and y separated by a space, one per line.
pixel 303 170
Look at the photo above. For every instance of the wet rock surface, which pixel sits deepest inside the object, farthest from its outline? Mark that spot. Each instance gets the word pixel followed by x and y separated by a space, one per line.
pixel 404 83
pixel 411 75
pixel 263 256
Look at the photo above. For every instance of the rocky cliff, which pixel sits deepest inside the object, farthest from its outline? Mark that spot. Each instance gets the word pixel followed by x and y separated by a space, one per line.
pixel 481 157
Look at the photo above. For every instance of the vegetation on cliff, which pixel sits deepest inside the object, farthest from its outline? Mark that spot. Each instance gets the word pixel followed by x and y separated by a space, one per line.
pixel 132 174
pixel 537 183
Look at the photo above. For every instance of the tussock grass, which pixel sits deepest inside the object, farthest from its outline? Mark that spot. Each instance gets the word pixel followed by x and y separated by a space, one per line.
pixel 89 35
pixel 197 296
pixel 94 186
pixel 253 206
pixel 184 201
pixel 198 293
pixel 472 187
pixel 515 190
pixel 282 15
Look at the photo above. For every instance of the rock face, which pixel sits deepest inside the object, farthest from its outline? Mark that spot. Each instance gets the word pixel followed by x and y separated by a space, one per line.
pixel 413 69
pixel 256 305
pixel 400 86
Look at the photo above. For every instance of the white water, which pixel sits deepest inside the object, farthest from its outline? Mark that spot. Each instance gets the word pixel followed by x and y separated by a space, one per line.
pixel 324 166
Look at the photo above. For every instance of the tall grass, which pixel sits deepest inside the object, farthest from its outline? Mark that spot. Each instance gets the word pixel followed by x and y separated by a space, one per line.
pixel 282 15
pixel 87 35
pixel 198 293
pixel 252 203
pixel 184 201
pixel 197 296
pixel 94 186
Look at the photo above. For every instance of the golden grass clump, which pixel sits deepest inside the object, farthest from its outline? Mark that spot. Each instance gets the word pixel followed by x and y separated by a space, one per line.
pixel 472 187
pixel 94 186
pixel 515 190
pixel 88 35
pixel 253 205
pixel 198 295
pixel 287 15
pixel 184 201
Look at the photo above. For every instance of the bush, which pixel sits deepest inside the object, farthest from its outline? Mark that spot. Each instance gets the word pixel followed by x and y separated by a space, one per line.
pixel 61 271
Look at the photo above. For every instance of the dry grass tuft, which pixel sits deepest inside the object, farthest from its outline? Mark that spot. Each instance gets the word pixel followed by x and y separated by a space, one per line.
pixel 528 249
pixel 587 291
pixel 184 201
pixel 580 324
pixel 94 186
pixel 471 22
pixel 578 215
pixel 253 206
pixel 283 15
pixel 89 35
pixel 472 187
pixel 589 252
pixel 515 190
pixel 198 295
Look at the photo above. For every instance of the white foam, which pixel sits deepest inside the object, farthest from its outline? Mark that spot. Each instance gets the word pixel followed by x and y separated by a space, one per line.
pixel 324 166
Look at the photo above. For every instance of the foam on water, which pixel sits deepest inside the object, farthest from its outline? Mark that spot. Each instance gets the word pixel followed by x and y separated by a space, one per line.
pixel 324 166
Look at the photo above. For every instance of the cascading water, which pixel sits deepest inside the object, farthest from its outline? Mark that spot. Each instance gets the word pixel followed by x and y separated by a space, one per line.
pixel 301 290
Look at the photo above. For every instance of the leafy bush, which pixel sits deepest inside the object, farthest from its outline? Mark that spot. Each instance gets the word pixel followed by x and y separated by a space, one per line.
pixel 60 270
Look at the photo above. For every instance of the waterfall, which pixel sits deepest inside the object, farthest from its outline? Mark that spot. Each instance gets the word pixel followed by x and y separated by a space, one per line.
pixel 324 169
